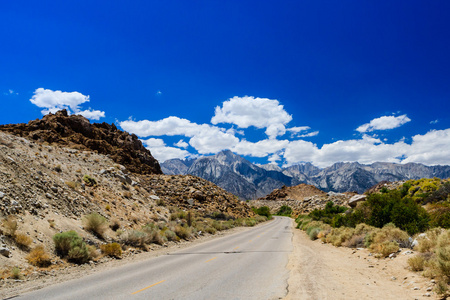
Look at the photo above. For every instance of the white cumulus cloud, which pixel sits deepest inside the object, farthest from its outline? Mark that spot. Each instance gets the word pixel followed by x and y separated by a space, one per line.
pixel 161 152
pixel 384 123
pixel 250 111
pixel 52 101
pixel 204 138
pixel 181 144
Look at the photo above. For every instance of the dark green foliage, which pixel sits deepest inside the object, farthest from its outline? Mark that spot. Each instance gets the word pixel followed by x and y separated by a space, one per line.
pixel 263 211
pixel 327 214
pixel 89 181
pixel 70 245
pixel 390 207
pixel 440 215
pixel 284 211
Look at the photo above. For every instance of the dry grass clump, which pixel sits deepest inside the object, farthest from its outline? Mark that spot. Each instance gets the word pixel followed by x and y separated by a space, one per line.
pixel 183 232
pixel 338 236
pixel 16 273
pixel 112 249
pixel 10 225
pixel 417 262
pixel 427 241
pixel 23 241
pixel 39 257
pixel 95 223
pixel 73 184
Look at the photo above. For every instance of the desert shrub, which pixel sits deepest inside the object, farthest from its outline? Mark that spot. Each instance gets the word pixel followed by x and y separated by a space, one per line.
pixel 153 234
pixel 178 215
pixel 170 235
pixel 355 241
pixel 134 238
pixel 443 253
pixel 263 211
pixel 39 257
pixel 313 232
pixel 284 211
pixel 260 219
pixel 70 245
pixel 416 263
pixel 16 273
pixel 338 236
pixel 10 225
pixel 112 249
pixel 381 209
pixel 95 223
pixel 440 214
pixel 183 232
pixel 385 248
pixel 114 224
pixel 79 253
pixel 89 181
pixel 388 240
pixel 427 241
pixel 327 214
pixel 23 241
pixel 72 184
pixel 92 250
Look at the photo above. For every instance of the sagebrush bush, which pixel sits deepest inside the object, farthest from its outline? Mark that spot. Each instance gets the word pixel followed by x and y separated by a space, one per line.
pixel 70 245
pixel 95 223
pixel 112 249
pixel 183 232
pixel 39 257
pixel 338 236
pixel 16 273
pixel 313 232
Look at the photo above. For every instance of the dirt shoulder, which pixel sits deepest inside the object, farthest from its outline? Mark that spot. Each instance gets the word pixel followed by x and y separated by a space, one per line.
pixel 322 271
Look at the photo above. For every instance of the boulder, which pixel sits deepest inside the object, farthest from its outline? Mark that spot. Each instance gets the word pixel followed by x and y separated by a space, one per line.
pixel 355 199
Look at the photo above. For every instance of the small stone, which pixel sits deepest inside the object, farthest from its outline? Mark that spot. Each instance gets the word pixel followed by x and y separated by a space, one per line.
pixel 416 288
pixel 427 295
pixel 393 278
pixel 429 289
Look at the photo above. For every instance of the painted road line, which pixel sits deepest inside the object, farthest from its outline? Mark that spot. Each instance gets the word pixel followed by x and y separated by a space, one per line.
pixel 147 287
pixel 210 259
pixel 236 248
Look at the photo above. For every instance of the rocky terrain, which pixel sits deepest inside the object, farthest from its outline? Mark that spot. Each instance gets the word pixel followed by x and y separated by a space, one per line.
pixel 53 174
pixel 249 181
pixel 302 198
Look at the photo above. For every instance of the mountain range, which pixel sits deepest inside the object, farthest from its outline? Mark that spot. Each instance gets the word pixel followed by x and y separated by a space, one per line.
pixel 250 181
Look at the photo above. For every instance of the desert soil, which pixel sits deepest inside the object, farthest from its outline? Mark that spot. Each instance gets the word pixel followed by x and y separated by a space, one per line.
pixel 322 271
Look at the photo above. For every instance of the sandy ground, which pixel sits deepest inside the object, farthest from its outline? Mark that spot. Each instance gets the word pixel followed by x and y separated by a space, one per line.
pixel 322 271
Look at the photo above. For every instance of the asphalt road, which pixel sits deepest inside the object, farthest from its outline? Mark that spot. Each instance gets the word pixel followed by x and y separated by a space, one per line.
pixel 246 265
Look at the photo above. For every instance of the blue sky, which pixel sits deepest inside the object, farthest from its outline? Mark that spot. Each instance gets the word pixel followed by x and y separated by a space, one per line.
pixel 289 82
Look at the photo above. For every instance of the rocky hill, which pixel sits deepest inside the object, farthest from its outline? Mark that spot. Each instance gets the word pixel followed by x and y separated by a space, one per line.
pixel 56 171
pixel 302 198
pixel 250 181
pixel 77 132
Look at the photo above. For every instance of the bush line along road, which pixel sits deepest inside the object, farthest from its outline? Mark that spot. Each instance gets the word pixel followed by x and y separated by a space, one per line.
pixel 246 265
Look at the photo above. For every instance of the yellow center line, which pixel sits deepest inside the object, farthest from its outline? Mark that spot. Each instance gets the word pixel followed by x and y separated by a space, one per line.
pixel 236 248
pixel 250 241
pixel 147 287
pixel 210 259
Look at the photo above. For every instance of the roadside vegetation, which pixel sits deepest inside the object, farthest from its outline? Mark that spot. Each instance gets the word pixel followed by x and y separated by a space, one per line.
pixel 416 216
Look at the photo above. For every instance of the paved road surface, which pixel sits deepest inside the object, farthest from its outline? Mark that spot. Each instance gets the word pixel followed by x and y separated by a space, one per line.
pixel 246 265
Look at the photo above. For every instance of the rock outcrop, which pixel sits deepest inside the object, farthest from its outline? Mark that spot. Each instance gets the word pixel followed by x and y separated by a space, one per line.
pixel 77 132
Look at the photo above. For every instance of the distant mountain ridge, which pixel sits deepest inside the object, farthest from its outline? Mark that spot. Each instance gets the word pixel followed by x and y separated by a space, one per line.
pixel 250 181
